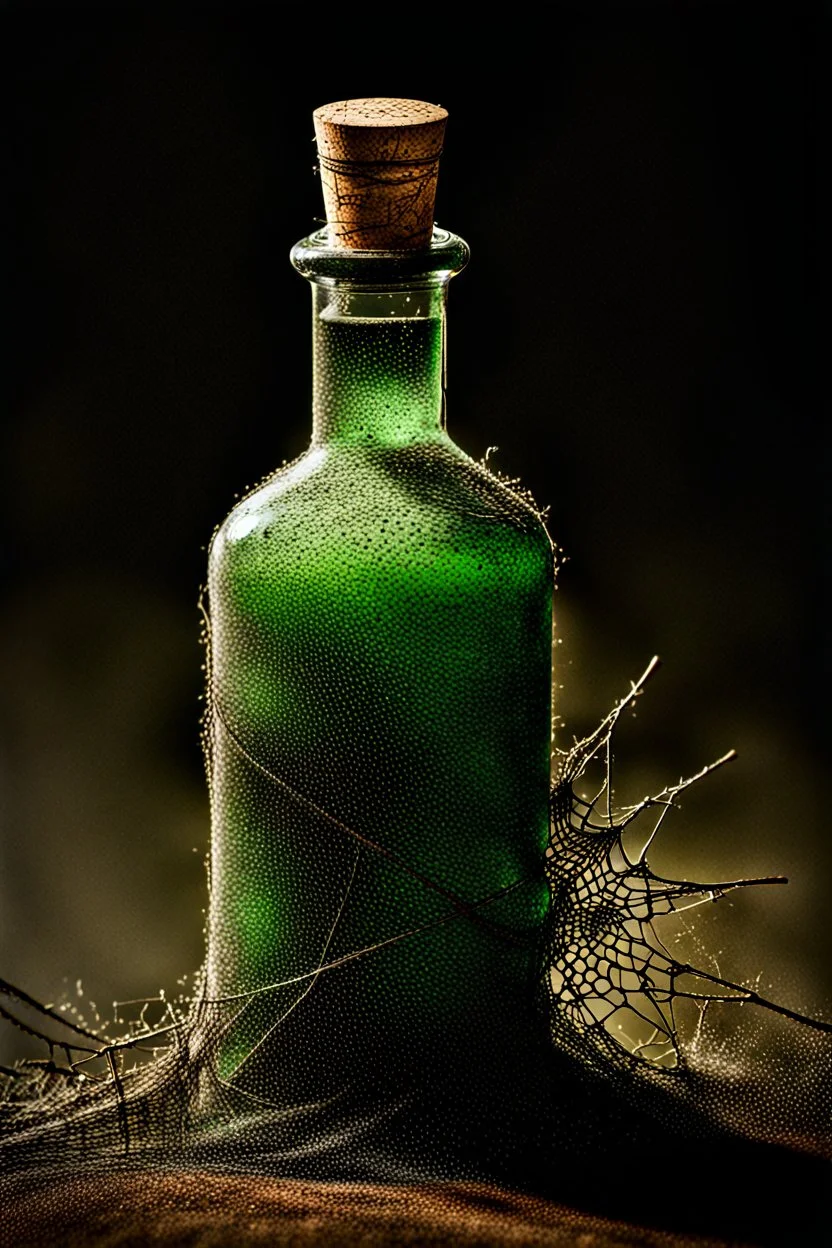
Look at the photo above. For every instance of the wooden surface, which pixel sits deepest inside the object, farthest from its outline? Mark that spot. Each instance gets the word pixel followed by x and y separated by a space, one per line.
pixel 208 1210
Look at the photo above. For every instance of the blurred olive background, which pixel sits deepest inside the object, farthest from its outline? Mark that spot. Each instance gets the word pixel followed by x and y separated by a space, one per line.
pixel 635 333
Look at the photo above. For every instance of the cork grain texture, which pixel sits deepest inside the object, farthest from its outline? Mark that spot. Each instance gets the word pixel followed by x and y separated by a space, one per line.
pixel 379 163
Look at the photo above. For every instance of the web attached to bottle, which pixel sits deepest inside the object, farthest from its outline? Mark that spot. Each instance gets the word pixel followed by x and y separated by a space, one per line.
pixel 620 1006
pixel 614 986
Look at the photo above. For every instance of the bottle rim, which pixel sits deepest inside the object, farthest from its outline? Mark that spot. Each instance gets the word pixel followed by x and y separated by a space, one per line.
pixel 316 259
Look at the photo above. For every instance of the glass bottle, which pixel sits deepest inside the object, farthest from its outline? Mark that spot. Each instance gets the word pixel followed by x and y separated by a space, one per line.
pixel 380 638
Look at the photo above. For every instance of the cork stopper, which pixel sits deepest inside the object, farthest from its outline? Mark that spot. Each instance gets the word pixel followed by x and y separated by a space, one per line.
pixel 379 162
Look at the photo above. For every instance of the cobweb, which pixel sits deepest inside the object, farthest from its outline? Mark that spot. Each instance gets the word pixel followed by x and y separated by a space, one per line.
pixel 614 987
pixel 628 1008
pixel 619 1004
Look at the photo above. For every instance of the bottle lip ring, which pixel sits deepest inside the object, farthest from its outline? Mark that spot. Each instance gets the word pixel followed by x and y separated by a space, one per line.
pixel 315 258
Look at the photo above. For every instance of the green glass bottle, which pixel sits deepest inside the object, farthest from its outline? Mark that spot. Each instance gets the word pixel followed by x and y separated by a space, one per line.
pixel 380 632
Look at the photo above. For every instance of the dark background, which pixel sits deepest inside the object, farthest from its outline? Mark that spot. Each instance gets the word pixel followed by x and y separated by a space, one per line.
pixel 636 332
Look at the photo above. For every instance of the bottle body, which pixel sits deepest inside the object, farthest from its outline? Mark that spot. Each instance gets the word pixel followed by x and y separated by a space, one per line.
pixel 380 741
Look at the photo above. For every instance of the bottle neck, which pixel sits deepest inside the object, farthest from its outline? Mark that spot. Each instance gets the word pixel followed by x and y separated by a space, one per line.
pixel 379 338
pixel 378 363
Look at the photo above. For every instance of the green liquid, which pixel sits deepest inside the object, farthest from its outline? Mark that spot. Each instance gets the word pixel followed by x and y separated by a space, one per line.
pixel 381 652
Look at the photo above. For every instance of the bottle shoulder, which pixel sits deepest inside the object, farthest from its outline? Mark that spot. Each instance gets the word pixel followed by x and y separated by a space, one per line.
pixel 418 496
pixel 434 475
